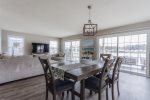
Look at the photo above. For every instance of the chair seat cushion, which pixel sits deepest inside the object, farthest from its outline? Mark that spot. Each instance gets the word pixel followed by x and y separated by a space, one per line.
pixel 97 75
pixel 109 76
pixel 93 83
pixel 62 85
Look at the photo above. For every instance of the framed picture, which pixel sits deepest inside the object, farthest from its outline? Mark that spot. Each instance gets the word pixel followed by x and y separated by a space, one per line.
pixel 87 43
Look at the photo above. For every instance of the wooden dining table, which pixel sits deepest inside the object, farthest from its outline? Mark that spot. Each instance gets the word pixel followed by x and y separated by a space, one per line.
pixel 80 74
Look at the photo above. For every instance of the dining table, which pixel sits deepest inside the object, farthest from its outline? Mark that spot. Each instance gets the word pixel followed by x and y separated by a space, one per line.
pixel 78 71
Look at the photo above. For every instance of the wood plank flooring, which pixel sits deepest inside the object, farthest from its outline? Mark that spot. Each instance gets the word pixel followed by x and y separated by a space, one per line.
pixel 132 87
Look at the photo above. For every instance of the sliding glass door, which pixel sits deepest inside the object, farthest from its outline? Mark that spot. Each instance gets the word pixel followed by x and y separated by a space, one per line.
pixel 72 50
pixel 132 47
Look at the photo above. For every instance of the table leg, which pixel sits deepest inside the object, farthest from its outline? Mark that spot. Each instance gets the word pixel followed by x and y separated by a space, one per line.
pixel 82 90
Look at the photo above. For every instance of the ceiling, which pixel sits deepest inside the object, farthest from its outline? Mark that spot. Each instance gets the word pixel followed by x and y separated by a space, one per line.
pixel 60 18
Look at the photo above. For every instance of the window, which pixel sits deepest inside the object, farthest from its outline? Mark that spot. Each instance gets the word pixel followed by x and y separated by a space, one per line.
pixel 15 46
pixel 72 50
pixel 53 47
pixel 108 45
pixel 130 46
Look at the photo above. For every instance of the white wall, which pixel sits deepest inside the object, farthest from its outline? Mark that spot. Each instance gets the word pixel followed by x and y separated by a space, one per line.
pixel 0 40
pixel 28 40
pixel 126 28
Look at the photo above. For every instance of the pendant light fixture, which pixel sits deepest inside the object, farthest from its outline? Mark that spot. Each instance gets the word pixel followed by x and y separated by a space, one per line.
pixel 89 29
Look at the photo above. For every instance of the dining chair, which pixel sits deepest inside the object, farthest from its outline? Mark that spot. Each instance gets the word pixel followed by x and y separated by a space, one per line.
pixel 103 57
pixel 114 76
pixel 55 86
pixel 98 85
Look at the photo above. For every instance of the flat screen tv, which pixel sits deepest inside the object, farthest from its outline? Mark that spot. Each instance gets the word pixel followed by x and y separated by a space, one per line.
pixel 40 48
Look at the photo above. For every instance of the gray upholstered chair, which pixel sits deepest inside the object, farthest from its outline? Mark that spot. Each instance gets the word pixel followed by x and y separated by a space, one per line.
pixel 98 85
pixel 103 57
pixel 55 86
pixel 114 76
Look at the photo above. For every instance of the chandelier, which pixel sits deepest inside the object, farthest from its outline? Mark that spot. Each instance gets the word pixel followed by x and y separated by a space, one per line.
pixel 89 29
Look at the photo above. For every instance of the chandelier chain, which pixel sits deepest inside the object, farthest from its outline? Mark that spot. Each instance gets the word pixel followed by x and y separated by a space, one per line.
pixel 89 7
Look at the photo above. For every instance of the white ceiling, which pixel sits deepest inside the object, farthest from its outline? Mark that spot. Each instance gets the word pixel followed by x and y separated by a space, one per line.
pixel 60 18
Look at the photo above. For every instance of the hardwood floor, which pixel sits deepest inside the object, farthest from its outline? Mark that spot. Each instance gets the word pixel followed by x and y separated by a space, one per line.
pixel 132 87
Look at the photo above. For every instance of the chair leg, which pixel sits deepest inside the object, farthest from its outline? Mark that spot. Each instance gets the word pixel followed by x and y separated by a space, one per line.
pixel 112 91
pixel 107 93
pixel 109 85
pixel 118 87
pixel 67 92
pixel 62 96
pixel 90 92
pixel 54 97
pixel 99 96
pixel 46 96
pixel 72 94
pixel 82 90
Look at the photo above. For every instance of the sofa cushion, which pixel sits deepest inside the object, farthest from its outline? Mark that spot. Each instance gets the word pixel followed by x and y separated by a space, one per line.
pixel 55 55
pixel 61 54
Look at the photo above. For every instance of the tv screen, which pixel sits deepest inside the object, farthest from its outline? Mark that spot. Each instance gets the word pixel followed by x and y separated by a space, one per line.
pixel 40 48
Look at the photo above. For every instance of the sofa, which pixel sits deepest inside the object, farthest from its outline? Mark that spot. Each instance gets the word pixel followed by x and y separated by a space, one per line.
pixel 58 57
pixel 15 68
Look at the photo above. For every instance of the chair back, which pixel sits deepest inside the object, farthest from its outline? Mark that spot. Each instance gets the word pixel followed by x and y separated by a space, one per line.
pixel 103 57
pixel 49 77
pixel 105 71
pixel 116 69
